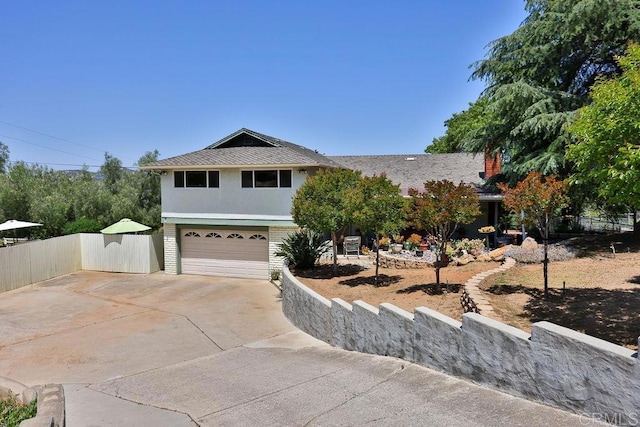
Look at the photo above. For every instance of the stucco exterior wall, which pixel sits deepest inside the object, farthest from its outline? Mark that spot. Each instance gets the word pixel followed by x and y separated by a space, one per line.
pixel 230 197
pixel 553 365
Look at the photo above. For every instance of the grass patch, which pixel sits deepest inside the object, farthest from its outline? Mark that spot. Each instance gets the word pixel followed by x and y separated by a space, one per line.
pixel 13 412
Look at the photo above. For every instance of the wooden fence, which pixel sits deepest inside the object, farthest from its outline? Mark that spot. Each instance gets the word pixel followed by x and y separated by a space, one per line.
pixel 39 260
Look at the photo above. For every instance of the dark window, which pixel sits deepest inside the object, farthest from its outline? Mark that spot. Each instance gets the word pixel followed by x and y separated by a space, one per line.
pixel 247 179
pixel 196 178
pixel 178 178
pixel 285 178
pixel 214 179
pixel 266 178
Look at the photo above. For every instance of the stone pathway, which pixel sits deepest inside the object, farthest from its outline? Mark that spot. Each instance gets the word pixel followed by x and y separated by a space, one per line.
pixel 474 292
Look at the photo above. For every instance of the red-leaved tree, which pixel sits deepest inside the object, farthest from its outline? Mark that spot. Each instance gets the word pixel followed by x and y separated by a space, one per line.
pixel 536 200
pixel 440 208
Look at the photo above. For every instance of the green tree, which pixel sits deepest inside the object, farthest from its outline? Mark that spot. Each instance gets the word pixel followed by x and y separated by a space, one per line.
pixel 4 157
pixel 537 200
pixel 378 207
pixel 112 172
pixel 147 184
pixel 441 208
pixel 540 75
pixel 321 203
pixel 606 153
pixel 464 130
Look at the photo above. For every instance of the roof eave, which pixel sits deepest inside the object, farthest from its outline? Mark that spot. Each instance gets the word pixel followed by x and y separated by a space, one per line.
pixel 247 166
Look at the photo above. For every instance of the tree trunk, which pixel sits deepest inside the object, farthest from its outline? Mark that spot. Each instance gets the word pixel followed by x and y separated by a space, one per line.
pixel 442 251
pixel 335 253
pixel 375 280
pixel 545 262
pixel 545 268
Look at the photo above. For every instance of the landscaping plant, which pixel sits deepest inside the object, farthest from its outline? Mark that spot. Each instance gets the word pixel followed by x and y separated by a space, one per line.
pixel 440 208
pixel 322 203
pixel 303 248
pixel 378 206
pixel 12 412
pixel 538 200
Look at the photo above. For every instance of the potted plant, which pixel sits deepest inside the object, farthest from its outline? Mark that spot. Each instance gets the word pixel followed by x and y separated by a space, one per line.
pixel 414 240
pixel 383 243
pixel 396 248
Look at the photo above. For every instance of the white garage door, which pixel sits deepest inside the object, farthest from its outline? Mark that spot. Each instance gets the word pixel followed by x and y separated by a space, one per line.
pixel 231 253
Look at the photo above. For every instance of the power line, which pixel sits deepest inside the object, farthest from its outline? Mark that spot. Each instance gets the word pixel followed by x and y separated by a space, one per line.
pixel 67 164
pixel 48 148
pixel 50 136
pixel 54 137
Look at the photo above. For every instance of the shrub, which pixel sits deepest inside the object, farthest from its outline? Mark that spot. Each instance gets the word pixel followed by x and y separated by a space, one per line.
pixel 415 240
pixel 556 252
pixel 83 225
pixel 13 412
pixel 472 246
pixel 303 248
pixel 275 274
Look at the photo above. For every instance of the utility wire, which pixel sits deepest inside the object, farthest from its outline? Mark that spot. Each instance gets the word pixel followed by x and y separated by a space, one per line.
pixel 54 137
pixel 50 136
pixel 48 148
pixel 67 164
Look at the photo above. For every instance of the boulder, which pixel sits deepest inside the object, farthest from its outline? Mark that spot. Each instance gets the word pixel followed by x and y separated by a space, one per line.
pixel 498 254
pixel 483 258
pixel 464 259
pixel 529 244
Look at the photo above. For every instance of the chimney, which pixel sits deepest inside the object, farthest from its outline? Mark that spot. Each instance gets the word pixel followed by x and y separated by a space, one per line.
pixel 491 164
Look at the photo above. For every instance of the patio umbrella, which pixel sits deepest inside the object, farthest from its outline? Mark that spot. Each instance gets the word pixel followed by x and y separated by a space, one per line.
pixel 12 224
pixel 125 225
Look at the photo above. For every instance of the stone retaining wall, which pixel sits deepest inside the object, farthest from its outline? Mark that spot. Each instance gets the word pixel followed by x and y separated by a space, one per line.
pixel 553 365
pixel 388 261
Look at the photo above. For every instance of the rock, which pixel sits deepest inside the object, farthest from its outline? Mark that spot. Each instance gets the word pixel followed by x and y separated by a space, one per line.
pixel 529 244
pixel 498 254
pixel 483 258
pixel 464 259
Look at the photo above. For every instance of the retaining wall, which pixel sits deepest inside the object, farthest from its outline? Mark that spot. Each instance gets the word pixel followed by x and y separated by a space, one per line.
pixel 553 365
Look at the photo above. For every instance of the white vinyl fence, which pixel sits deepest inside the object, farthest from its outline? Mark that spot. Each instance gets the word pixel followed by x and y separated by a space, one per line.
pixel 40 260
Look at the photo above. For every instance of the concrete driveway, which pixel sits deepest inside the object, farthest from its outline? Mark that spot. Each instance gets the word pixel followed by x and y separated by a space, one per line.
pixel 189 350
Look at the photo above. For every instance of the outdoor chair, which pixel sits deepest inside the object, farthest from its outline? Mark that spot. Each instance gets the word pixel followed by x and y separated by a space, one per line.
pixel 352 245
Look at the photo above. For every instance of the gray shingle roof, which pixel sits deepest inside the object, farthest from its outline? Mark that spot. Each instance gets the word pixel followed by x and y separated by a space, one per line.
pixel 274 152
pixel 412 170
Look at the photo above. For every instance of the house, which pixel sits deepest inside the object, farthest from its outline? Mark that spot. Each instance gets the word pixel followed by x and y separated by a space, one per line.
pixel 226 207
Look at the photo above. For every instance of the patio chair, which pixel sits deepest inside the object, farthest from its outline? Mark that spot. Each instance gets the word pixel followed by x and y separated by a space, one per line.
pixel 351 245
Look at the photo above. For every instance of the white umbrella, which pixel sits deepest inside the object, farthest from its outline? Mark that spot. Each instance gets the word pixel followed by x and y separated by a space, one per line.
pixel 12 224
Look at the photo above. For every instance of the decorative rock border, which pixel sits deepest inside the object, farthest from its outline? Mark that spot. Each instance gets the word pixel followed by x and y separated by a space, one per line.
pixel 472 299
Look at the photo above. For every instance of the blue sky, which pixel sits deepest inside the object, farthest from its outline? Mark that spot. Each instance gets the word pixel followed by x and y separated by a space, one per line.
pixel 126 77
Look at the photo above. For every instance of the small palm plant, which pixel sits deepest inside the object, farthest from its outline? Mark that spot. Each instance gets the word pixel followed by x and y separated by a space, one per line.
pixel 303 248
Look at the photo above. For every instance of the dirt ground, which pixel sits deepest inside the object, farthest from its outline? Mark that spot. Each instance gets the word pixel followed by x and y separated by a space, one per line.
pixel 406 289
pixel 602 296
